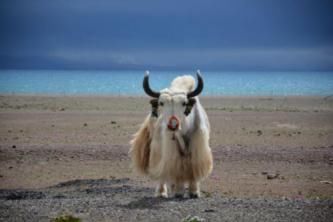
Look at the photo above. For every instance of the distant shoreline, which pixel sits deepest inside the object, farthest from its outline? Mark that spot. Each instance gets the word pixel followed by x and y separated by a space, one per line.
pixel 145 96
pixel 141 103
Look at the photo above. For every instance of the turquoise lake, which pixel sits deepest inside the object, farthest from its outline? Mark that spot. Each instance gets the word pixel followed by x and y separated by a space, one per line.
pixel 54 82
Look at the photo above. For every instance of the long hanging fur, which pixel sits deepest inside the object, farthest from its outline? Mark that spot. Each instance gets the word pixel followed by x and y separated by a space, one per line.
pixel 140 146
pixel 169 165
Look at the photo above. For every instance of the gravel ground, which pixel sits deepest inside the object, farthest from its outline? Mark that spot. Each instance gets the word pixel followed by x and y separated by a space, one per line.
pixel 120 200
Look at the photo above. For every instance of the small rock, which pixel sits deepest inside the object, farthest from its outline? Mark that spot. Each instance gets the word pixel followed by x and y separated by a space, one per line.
pixel 85 124
pixel 259 132
pixel 52 125
pixel 209 210
pixel 113 122
pixel 284 198
pixel 264 173
pixel 59 196
pixel 272 176
pixel 62 109
pixel 10 167
pixel 190 218
pixel 326 182
pixel 14 146
pixel 1 176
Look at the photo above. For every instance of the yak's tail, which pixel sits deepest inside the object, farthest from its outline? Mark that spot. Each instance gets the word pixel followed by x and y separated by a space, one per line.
pixel 140 146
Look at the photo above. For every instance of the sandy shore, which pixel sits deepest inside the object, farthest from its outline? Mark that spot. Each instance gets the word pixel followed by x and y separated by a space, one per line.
pixel 271 147
pixel 47 140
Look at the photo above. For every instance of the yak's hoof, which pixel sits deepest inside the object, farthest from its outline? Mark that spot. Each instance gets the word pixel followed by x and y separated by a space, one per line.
pixel 179 195
pixel 194 195
pixel 161 195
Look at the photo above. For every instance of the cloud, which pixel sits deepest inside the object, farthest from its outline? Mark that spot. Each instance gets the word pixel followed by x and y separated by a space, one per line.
pixel 214 34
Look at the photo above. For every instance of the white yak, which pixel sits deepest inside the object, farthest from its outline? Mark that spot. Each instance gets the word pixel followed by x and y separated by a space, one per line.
pixel 172 145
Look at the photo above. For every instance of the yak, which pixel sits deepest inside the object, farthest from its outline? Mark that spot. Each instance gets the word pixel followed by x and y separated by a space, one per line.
pixel 172 144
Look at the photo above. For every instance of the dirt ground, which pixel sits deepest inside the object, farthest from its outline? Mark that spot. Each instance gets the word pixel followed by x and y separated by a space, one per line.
pixel 263 147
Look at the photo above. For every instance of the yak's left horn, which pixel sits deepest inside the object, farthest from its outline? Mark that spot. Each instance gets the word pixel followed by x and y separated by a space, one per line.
pixel 199 88
pixel 147 88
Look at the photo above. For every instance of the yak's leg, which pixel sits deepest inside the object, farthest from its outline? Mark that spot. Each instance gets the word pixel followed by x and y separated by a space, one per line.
pixel 194 188
pixel 178 190
pixel 161 190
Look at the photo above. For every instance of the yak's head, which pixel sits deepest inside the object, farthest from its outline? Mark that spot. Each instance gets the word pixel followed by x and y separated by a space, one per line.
pixel 172 105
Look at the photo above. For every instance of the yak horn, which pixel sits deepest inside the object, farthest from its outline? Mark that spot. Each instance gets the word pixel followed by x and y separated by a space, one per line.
pixel 147 88
pixel 199 88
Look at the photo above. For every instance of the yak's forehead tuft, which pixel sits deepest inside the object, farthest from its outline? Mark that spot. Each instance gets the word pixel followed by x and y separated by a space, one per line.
pixel 165 96
pixel 173 96
pixel 179 98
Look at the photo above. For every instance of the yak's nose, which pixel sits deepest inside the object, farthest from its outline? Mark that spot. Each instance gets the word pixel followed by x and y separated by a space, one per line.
pixel 173 123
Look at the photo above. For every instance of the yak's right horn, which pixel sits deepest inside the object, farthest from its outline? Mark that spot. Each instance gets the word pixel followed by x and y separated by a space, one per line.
pixel 147 88
pixel 199 87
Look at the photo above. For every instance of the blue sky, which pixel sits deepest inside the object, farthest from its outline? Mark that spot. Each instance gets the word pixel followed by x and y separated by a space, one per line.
pixel 152 34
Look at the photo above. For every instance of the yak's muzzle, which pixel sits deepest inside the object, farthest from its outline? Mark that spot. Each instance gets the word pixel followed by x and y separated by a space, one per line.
pixel 173 123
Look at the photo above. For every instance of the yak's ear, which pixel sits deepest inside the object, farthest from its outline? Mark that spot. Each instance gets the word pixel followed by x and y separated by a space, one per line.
pixel 189 105
pixel 154 102
pixel 191 101
pixel 154 107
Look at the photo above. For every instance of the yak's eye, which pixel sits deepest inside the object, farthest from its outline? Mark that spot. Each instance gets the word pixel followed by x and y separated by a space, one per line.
pixel 161 103
pixel 184 104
